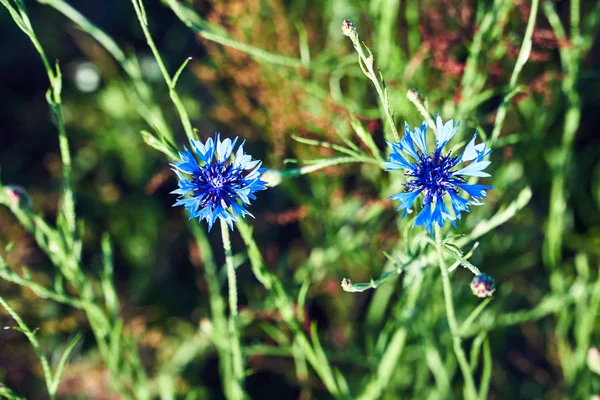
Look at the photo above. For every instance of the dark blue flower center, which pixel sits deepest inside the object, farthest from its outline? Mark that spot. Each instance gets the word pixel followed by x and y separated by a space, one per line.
pixel 432 173
pixel 217 183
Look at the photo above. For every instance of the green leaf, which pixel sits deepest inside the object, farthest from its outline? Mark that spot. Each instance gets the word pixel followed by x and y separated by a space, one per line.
pixel 62 363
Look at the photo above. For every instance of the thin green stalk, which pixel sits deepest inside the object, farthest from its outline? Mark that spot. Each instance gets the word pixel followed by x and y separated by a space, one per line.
pixel 286 308
pixel 53 97
pixel 348 286
pixel 486 374
pixel 36 346
pixel 436 366
pixel 234 332
pixel 469 390
pixel 217 308
pixel 391 357
pixel 462 260
pixel 466 325
pixel 476 345
pixel 140 11
pixel 520 63
pixel 151 112
pixel 9 394
pixel 366 64
pixel 550 304
pixel 570 60
pixel 213 33
pixel 423 260
pixel 40 290
pixel 474 78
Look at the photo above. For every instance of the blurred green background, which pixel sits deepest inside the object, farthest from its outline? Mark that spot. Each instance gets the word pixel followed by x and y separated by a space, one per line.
pixel 314 229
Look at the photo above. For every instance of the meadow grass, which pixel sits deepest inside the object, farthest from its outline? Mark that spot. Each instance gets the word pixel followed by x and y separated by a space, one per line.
pixel 327 293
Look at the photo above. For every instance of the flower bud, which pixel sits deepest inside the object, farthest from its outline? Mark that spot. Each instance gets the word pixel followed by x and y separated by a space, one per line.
pixel 414 96
pixel 483 286
pixel 17 196
pixel 346 284
pixel 273 177
pixel 348 28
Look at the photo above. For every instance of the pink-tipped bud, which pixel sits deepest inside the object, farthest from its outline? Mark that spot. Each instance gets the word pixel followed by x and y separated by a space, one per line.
pixel 483 286
pixel 414 96
pixel 17 196
pixel 348 28
pixel 346 284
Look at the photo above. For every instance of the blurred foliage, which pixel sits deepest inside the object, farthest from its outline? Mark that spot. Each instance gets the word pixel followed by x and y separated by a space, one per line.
pixel 268 71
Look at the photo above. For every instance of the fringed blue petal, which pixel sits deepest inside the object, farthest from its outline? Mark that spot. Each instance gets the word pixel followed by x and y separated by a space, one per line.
pixel 419 137
pixel 474 169
pixel 424 218
pixel 475 191
pixel 406 200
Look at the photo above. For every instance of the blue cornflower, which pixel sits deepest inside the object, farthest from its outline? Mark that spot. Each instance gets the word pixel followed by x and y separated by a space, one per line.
pixel 436 175
pixel 220 187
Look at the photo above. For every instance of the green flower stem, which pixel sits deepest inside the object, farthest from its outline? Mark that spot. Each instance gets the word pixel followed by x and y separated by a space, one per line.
pixel 217 306
pixel 380 380
pixel 313 352
pixel 469 390
pixel 34 342
pixel 462 260
pixel 521 61
pixel 9 394
pixel 148 110
pixel 138 5
pixel 571 59
pixel 366 64
pixel 215 34
pixel 236 347
pixel 53 97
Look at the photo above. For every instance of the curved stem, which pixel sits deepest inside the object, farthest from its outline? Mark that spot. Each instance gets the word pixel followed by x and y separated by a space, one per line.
pixel 140 11
pixel 236 347
pixel 366 64
pixel 469 389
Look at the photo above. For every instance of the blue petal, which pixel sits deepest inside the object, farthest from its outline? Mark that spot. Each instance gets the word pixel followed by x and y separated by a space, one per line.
pixel 444 132
pixel 221 213
pixel 188 163
pixel 475 191
pixel 459 204
pixel 204 213
pixel 419 137
pixel 424 218
pixel 441 213
pixel 239 210
pixel 406 143
pixel 406 200
pixel 395 160
pixel 474 169
pixel 472 151
pixel 205 151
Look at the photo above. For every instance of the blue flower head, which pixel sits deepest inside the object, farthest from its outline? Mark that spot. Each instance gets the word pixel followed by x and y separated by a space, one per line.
pixel 219 185
pixel 438 177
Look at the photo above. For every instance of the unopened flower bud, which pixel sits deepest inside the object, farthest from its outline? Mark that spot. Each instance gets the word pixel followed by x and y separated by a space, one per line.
pixel 17 196
pixel 483 286
pixel 273 177
pixel 346 284
pixel 414 96
pixel 348 28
